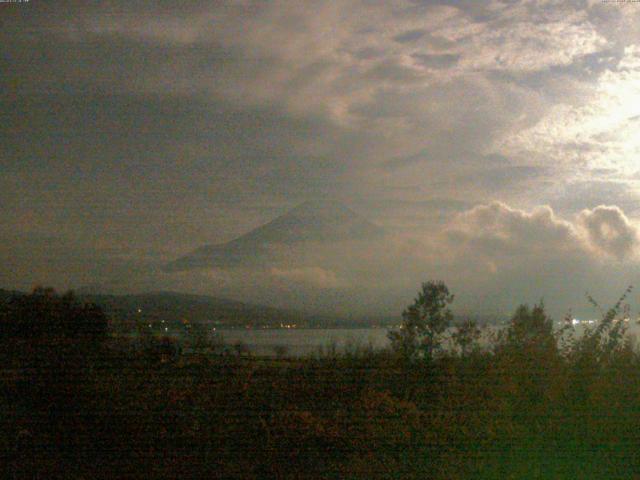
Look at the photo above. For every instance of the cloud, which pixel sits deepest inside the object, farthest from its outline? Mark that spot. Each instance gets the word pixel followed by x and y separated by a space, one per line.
pixel 599 133
pixel 609 230
pixel 424 82
pixel 498 253
pixel 409 36
pixel 435 60
pixel 498 230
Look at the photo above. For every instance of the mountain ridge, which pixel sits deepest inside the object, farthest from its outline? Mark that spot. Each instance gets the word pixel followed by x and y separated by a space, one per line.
pixel 312 221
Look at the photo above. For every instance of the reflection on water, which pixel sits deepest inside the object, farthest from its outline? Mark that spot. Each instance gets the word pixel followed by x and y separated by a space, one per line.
pixel 308 341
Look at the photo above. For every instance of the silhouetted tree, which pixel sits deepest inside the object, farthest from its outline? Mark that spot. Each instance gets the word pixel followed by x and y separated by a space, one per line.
pixel 530 328
pixel 466 336
pixel 424 322
pixel 529 362
pixel 45 314
pixel 608 336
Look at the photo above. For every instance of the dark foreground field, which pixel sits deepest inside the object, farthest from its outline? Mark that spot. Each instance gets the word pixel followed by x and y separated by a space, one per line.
pixel 529 407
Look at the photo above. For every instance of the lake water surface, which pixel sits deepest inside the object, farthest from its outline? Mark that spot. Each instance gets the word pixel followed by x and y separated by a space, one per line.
pixel 305 341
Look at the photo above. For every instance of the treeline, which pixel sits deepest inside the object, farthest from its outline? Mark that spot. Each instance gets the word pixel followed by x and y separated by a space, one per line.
pixel 44 313
pixel 536 403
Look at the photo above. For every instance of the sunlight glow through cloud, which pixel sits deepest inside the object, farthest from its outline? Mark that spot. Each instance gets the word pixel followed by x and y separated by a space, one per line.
pixel 602 132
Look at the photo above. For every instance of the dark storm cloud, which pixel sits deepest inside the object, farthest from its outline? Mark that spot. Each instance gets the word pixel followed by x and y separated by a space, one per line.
pixel 409 36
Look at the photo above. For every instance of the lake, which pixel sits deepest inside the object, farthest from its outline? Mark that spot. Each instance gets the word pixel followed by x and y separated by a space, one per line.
pixel 308 341
pixel 303 341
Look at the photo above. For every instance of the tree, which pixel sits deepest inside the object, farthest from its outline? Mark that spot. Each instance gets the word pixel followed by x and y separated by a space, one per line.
pixel 424 322
pixel 466 336
pixel 531 329
pixel 608 337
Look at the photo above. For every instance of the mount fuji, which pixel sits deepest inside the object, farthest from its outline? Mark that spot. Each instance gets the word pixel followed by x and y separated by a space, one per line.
pixel 313 221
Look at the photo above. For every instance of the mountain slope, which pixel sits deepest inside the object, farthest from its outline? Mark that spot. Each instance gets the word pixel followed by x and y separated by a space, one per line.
pixel 316 221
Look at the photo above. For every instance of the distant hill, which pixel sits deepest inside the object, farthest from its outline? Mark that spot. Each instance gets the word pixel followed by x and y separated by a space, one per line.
pixel 175 307
pixel 125 311
pixel 178 307
pixel 315 221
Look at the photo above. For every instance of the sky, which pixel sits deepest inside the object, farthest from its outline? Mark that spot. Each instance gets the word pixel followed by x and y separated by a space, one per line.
pixel 494 140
